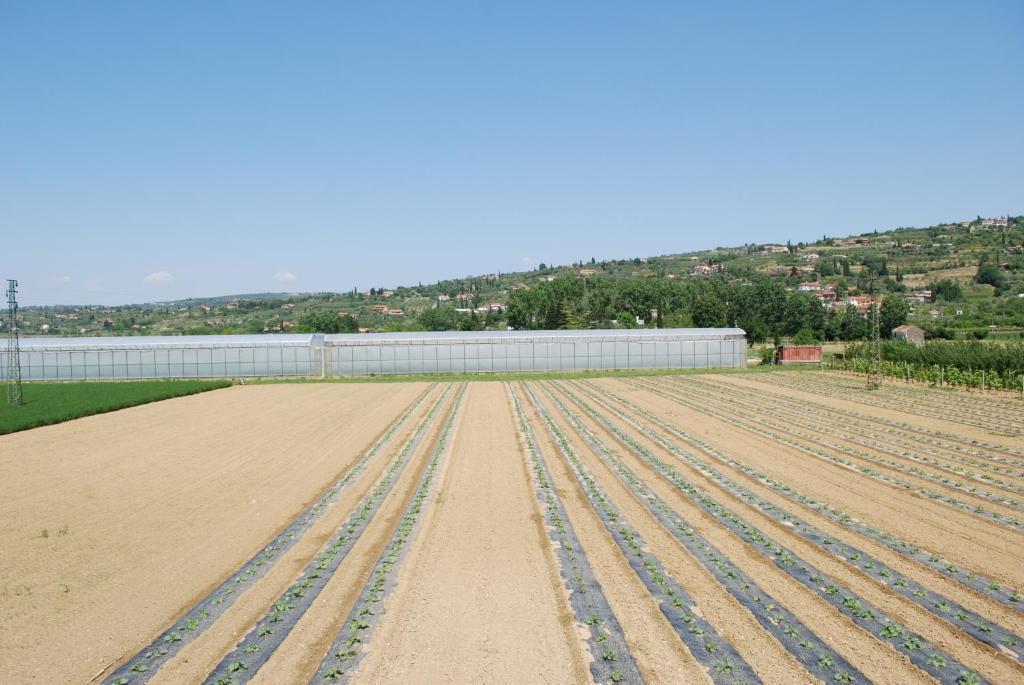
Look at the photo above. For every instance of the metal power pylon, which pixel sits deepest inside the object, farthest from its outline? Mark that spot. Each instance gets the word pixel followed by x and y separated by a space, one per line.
pixel 14 397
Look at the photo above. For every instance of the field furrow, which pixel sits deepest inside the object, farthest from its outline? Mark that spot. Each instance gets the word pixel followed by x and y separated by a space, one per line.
pixel 593 614
pixel 718 656
pixel 859 601
pixel 774 527
pixel 827 516
pixel 1001 508
pixel 861 433
pixel 917 483
pixel 210 608
pixel 345 652
pixel 786 525
pixel 959 410
pixel 258 645
pixel 802 643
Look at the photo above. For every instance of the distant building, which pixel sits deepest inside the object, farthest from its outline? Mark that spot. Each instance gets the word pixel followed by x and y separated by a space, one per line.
pixel 798 354
pixel 810 287
pixel 775 249
pixel 587 272
pixel 908 333
pixel 996 222
pixel 827 297
pixel 861 302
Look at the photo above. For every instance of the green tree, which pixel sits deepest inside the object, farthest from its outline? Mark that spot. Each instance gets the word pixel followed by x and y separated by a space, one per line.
pixel 991 274
pixel 947 290
pixel 708 312
pixel 320 321
pixel 892 313
pixel 852 325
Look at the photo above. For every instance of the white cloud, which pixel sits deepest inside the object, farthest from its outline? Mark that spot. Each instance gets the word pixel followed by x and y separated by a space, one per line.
pixel 285 277
pixel 60 279
pixel 158 277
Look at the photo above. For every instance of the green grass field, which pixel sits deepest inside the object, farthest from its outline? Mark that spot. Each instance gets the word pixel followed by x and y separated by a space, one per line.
pixel 47 403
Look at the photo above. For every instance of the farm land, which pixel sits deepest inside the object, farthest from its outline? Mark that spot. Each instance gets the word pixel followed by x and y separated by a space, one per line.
pixel 719 528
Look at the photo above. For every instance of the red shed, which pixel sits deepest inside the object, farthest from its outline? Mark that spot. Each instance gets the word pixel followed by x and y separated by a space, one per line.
pixel 798 354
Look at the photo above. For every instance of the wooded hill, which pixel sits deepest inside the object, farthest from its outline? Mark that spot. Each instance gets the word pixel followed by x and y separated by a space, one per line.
pixel 956 279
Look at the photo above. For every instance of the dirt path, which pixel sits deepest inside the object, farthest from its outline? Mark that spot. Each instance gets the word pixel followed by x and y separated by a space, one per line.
pixel 479 599
pixel 160 502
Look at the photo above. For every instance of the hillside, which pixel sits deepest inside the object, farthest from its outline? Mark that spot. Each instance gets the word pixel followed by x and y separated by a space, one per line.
pixel 933 269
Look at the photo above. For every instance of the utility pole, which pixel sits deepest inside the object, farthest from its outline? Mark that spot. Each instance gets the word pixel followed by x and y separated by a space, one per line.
pixel 14 397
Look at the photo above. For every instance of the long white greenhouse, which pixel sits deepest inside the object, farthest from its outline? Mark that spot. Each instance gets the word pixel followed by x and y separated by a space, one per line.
pixel 186 356
pixel 220 356
pixel 497 351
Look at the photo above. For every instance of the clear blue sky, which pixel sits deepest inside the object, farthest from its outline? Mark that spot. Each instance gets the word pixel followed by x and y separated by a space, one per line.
pixel 214 148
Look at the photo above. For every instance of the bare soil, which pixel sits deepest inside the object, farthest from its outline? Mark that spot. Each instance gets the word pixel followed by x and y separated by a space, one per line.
pixel 146 510
pixel 159 503
pixel 479 600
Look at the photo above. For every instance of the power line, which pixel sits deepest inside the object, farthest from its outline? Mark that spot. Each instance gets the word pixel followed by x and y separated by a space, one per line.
pixel 14 397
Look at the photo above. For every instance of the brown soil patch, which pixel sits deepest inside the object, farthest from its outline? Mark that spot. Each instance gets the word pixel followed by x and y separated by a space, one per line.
pixel 160 502
pixel 478 600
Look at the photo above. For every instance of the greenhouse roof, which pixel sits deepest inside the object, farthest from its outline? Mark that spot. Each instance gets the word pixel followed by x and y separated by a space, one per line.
pixel 567 336
pixel 152 341
pixel 416 338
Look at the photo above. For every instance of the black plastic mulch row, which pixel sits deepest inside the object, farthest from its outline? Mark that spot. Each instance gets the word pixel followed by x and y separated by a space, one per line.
pixel 1005 595
pixel 924 655
pixel 343 657
pixel 612 660
pixel 241 664
pixel 143 665
pixel 718 657
pixel 799 640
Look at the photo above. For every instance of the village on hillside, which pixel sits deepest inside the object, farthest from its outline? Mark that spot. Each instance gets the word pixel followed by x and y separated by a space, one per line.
pixel 964 276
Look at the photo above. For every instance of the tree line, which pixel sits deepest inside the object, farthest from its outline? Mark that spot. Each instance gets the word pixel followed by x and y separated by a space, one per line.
pixel 763 307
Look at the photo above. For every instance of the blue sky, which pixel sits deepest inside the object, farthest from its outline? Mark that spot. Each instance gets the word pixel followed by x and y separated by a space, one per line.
pixel 155 151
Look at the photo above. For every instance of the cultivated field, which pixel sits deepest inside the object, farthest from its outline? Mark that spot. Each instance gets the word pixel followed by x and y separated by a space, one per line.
pixel 776 528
